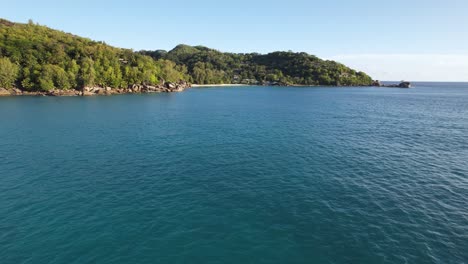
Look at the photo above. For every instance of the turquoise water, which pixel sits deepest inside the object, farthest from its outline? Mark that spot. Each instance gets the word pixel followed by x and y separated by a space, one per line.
pixel 237 175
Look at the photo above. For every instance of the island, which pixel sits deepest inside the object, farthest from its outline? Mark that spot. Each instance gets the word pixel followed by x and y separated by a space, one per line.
pixel 37 60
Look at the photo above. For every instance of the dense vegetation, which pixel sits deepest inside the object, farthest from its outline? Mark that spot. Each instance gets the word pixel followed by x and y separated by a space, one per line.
pixel 34 57
pixel 37 58
pixel 207 66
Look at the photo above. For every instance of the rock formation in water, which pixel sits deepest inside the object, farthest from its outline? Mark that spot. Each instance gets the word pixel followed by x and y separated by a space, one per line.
pixel 402 84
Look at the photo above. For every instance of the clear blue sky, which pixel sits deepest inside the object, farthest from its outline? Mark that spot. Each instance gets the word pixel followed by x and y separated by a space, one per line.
pixel 375 36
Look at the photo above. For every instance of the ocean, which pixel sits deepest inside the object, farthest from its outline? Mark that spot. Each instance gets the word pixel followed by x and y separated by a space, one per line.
pixel 237 175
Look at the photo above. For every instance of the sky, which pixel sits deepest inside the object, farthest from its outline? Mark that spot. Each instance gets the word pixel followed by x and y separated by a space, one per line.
pixel 390 40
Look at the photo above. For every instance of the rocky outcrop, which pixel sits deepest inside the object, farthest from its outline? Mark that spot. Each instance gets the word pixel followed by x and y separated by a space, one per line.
pixel 16 91
pixel 63 93
pixel 4 92
pixel 405 85
pixel 402 84
pixel 163 87
pixel 8 92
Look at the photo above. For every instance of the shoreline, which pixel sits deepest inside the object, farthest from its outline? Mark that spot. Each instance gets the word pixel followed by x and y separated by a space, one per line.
pixel 166 87
pixel 162 88
pixel 375 84
pixel 224 84
pixel 288 85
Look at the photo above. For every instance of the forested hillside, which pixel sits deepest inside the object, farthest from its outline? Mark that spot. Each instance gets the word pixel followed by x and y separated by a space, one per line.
pixel 34 57
pixel 207 66
pixel 37 58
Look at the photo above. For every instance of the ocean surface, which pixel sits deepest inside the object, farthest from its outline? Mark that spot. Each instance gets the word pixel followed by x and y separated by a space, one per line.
pixel 237 175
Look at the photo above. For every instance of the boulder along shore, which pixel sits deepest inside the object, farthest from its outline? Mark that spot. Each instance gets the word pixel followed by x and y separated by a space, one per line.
pixel 166 87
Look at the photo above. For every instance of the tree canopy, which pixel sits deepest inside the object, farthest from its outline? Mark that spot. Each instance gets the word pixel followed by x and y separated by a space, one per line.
pixel 37 58
pixel 34 57
pixel 8 73
pixel 209 66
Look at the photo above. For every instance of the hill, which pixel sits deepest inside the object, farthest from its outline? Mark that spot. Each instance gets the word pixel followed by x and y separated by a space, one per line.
pixel 37 58
pixel 208 66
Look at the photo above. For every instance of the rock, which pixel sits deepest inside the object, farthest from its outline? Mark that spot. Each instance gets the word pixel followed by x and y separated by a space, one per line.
pixel 68 92
pixel 376 83
pixel 16 91
pixel 166 87
pixel 405 85
pixel 136 88
pixel 52 93
pixel 62 93
pixel 93 89
pixel 87 93
pixel 34 93
pixel 101 91
pixel 153 89
pixel 170 85
pixel 110 92
pixel 4 92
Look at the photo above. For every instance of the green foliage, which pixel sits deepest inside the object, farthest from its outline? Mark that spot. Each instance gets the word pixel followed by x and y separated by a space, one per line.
pixel 46 79
pixel 87 73
pixel 40 58
pixel 34 57
pixel 208 66
pixel 204 73
pixel 8 73
pixel 172 72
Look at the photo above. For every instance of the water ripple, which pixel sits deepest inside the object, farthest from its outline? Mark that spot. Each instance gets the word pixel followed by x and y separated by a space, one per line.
pixel 237 175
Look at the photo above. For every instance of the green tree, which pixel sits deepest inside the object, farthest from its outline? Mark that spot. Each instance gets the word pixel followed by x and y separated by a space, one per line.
pixel 169 71
pixel 61 78
pixel 87 72
pixel 8 73
pixel 199 73
pixel 46 79
pixel 73 70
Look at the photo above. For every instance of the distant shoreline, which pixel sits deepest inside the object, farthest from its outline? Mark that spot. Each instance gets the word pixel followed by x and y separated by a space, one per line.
pixel 215 85
pixel 240 84
pixel 260 85
pixel 166 87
